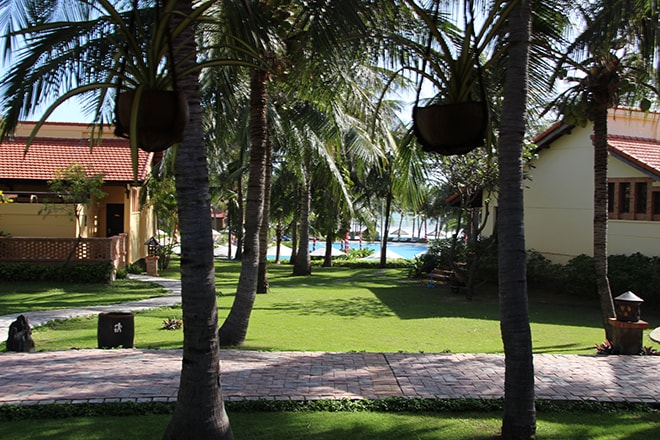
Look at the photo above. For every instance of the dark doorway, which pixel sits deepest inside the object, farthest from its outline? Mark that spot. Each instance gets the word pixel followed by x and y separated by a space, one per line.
pixel 114 215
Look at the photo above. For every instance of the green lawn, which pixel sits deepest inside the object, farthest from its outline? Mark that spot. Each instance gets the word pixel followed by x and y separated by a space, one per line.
pixel 338 309
pixel 349 426
pixel 18 297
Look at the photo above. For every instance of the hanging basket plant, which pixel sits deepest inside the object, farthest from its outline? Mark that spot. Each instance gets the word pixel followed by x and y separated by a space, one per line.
pixel 449 129
pixel 117 53
pixel 456 120
pixel 157 117
pixel 149 108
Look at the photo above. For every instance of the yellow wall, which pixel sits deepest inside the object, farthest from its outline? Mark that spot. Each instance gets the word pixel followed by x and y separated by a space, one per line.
pixel 637 124
pixel 59 130
pixel 25 219
pixel 558 199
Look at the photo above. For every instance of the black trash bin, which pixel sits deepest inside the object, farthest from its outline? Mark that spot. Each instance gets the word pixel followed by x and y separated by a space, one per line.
pixel 115 329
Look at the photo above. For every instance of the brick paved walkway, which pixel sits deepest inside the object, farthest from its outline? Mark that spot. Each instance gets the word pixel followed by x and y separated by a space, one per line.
pixel 78 376
pixel 93 376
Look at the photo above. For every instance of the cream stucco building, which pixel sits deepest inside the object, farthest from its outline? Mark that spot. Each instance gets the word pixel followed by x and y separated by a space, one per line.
pixel 24 177
pixel 558 197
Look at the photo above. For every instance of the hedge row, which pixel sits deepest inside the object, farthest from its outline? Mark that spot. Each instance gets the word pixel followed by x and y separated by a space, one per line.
pixel 391 405
pixel 637 273
pixel 69 273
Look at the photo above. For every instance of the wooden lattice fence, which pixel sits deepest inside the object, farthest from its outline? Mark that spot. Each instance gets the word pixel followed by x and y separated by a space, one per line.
pixel 59 250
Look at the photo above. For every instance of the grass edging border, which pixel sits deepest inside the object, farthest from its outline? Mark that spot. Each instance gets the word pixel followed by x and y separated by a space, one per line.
pixel 390 404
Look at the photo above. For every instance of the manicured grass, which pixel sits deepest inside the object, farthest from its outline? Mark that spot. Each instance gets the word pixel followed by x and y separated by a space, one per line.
pixel 338 309
pixel 18 297
pixel 348 425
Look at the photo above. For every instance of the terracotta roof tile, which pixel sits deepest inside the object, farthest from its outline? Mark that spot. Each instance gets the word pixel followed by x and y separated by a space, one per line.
pixel 642 152
pixel 112 158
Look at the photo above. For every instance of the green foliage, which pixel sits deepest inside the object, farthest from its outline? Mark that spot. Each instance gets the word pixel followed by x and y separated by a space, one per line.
pixel 355 254
pixel 162 197
pixel 172 323
pixel 73 185
pixel 137 268
pixel 4 198
pixel 541 272
pixel 580 276
pixel 386 405
pixel 70 273
pixel 636 272
pixel 121 273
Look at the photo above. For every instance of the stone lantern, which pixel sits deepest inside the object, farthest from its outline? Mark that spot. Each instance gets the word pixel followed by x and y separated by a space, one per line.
pixel 627 307
pixel 152 256
pixel 628 327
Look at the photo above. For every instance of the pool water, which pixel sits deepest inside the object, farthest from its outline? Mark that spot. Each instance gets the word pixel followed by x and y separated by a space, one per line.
pixel 406 250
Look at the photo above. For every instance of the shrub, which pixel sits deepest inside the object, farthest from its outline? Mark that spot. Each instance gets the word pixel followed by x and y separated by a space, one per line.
pixel 636 272
pixel 138 267
pixel 543 272
pixel 122 273
pixel 70 273
pixel 580 277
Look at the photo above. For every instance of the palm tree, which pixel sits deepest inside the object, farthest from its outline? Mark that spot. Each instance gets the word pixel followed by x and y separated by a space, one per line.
pixel 199 412
pixel 519 419
pixel 315 36
pixel 618 45
pixel 73 45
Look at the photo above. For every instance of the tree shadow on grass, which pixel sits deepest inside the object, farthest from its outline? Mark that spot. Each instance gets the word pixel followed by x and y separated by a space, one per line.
pixel 349 307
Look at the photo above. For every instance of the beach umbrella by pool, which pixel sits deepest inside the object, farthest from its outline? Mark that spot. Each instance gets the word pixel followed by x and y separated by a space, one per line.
pixel 320 252
pixel 389 255
pixel 285 251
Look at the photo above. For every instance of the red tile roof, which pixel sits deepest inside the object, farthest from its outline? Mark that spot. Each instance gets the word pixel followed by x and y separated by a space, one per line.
pixel 112 158
pixel 640 152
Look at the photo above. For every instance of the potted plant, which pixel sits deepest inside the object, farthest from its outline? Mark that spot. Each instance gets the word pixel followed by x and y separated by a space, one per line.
pixel 135 71
pixel 149 109
pixel 456 120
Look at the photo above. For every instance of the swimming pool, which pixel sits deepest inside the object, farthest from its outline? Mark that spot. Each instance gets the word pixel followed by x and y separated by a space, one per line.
pixel 405 250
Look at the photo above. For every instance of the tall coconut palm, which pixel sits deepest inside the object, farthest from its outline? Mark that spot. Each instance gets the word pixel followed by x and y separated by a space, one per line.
pixel 70 50
pixel 519 419
pixel 613 57
pixel 297 38
pixel 199 412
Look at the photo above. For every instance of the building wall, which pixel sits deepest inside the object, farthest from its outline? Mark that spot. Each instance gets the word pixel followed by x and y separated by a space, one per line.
pixel 558 198
pixel 28 220
pixel 637 124
pixel 58 130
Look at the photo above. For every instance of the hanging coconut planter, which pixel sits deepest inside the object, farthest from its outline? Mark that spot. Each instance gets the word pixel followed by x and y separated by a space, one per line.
pixel 450 129
pixel 159 117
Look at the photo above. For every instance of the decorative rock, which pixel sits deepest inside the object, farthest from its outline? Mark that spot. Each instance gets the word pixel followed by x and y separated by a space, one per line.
pixel 20 336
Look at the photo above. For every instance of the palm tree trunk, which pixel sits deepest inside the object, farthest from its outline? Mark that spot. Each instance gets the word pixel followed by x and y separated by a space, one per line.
pixel 327 259
pixel 599 117
pixel 262 277
pixel 294 241
pixel 241 217
pixel 383 239
pixel 303 265
pixel 199 412
pixel 234 329
pixel 519 419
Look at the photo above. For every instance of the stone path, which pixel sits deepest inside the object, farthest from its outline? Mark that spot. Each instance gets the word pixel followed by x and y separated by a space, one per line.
pixel 92 376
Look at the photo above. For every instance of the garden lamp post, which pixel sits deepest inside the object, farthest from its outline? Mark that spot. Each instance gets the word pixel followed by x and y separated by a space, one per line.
pixel 628 327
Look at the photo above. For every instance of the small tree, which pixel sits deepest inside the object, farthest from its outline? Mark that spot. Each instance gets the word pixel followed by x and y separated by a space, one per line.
pixel 162 197
pixel 4 198
pixel 74 186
